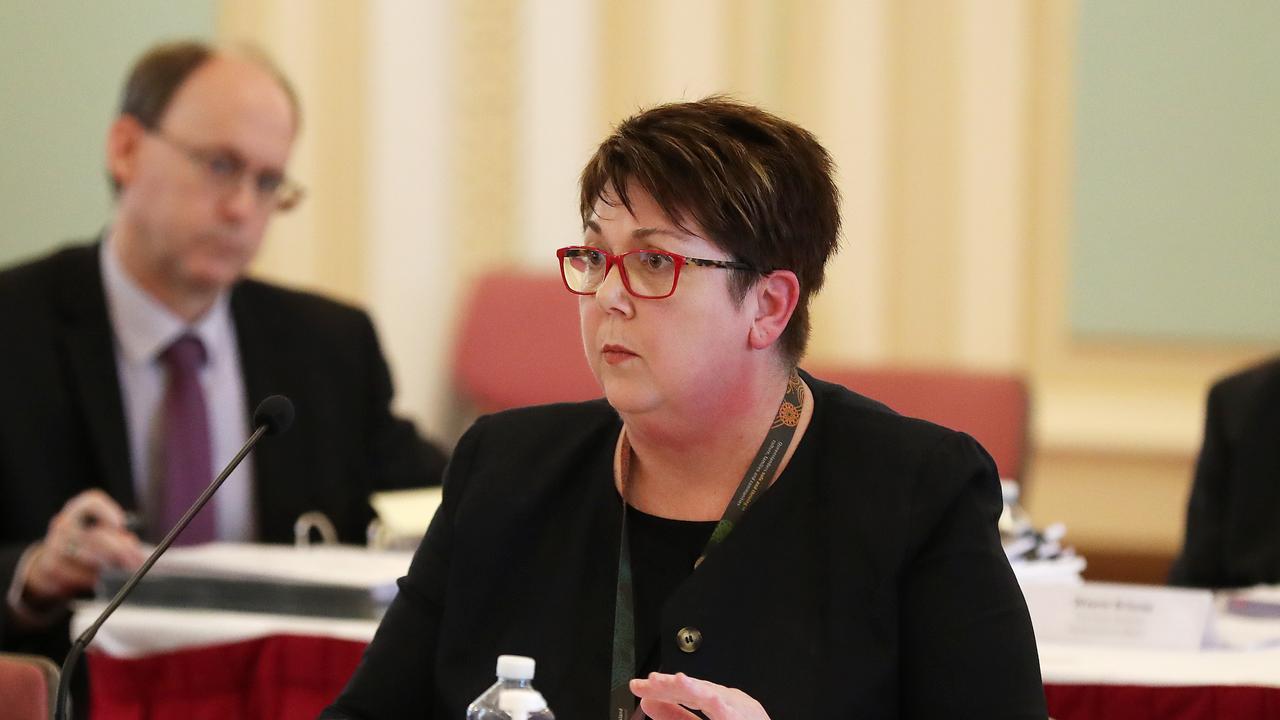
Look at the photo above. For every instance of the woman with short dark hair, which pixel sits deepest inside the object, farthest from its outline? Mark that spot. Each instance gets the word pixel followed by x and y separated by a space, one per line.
pixel 723 532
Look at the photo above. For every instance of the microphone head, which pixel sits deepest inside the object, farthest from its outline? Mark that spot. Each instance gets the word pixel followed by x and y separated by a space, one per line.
pixel 275 413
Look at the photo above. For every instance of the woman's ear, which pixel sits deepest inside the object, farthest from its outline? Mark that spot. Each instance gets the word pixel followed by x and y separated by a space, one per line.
pixel 776 295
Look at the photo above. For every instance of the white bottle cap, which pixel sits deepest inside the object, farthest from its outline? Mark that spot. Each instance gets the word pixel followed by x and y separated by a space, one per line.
pixel 519 702
pixel 515 667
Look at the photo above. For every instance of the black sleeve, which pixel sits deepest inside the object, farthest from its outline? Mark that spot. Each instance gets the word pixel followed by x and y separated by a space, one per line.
pixel 399 457
pixel 1200 563
pixel 396 676
pixel 968 649
pixel 9 555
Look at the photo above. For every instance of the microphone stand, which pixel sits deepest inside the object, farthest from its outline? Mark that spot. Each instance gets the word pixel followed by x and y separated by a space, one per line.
pixel 86 637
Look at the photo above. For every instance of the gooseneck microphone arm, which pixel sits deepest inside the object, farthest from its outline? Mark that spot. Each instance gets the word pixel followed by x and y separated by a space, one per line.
pixel 273 416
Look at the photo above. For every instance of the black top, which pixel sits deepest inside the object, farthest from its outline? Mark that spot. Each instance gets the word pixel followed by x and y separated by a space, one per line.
pixel 873 585
pixel 1233 537
pixel 662 555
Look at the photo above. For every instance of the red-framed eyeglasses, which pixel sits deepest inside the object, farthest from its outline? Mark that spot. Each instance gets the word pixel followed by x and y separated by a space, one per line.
pixel 648 274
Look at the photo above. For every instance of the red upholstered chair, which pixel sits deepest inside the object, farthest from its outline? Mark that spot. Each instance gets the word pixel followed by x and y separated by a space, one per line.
pixel 28 684
pixel 519 344
pixel 993 408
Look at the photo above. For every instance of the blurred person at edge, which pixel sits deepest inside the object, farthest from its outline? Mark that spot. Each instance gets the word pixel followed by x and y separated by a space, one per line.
pixel 866 580
pixel 1232 537
pixel 197 159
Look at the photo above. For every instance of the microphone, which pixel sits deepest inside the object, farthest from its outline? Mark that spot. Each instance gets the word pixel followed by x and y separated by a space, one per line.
pixel 273 416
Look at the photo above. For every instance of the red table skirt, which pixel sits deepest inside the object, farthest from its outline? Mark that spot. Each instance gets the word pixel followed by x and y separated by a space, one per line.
pixel 280 677
pixel 285 676
pixel 1129 702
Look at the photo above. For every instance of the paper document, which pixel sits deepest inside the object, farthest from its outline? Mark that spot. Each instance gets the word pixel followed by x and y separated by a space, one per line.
pixel 325 581
pixel 343 565
pixel 406 513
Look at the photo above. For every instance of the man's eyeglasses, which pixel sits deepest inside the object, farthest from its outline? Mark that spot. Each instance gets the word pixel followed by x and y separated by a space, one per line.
pixel 649 274
pixel 225 171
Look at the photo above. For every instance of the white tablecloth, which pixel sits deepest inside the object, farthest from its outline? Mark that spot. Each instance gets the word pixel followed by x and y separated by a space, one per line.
pixel 1246 652
pixel 138 631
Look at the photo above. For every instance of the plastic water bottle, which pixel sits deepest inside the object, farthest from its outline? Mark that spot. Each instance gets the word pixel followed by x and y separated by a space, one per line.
pixel 522 703
pixel 515 672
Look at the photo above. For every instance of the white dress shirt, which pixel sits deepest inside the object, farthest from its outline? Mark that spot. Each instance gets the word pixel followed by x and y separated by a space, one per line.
pixel 142 329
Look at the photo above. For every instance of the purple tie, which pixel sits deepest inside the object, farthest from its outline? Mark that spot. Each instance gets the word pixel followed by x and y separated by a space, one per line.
pixel 186 456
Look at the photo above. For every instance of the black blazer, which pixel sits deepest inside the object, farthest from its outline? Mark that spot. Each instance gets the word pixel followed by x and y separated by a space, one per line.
pixel 62 424
pixel 1233 516
pixel 873 587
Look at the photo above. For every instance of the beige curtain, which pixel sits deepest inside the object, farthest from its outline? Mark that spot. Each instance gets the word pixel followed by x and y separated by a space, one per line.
pixel 443 137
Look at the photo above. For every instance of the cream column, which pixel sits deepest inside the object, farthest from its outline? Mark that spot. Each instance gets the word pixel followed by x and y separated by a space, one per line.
pixel 411 226
pixel 921 251
pixel 686 54
pixel 993 206
pixel 320 47
pixel 556 129
pixel 849 315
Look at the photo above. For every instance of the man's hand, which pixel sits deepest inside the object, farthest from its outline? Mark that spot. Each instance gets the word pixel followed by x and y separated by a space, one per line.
pixel 662 695
pixel 85 537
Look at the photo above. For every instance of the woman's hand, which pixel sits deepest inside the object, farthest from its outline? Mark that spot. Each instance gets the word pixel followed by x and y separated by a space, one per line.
pixel 661 696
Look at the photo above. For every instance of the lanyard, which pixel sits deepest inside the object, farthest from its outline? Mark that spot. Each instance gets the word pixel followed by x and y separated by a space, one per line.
pixel 759 474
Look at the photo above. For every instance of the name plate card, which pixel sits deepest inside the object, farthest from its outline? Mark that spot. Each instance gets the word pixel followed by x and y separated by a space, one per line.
pixel 1144 616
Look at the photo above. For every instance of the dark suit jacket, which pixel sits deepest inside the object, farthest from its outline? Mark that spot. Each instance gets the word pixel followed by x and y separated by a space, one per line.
pixel 1233 517
pixel 62 426
pixel 873 586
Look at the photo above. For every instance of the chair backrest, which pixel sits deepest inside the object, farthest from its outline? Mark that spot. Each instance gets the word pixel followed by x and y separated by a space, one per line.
pixel 28 685
pixel 519 344
pixel 993 408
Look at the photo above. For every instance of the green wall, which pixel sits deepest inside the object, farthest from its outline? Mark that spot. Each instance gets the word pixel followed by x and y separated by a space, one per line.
pixel 62 63
pixel 1177 191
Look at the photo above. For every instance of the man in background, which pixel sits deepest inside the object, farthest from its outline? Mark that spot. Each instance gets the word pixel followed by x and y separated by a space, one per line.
pixel 1233 517
pixel 133 364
